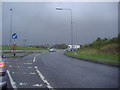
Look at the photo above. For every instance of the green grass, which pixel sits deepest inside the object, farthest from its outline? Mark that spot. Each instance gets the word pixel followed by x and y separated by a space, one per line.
pixel 97 54
pixel 92 54
pixel 101 50
pixel 21 48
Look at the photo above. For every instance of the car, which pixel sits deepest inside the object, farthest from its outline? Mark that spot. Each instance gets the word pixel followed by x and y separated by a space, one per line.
pixel 3 81
pixel 71 49
pixel 52 50
pixel 68 50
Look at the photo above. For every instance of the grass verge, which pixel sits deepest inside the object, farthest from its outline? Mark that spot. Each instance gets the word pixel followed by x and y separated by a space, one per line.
pixel 22 48
pixel 94 55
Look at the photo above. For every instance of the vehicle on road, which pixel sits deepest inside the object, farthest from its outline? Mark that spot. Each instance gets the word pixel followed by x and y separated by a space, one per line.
pixel 3 82
pixel 71 49
pixel 52 50
pixel 68 50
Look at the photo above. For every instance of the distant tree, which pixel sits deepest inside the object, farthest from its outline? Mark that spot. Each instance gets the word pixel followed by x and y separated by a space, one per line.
pixel 105 39
pixel 60 46
pixel 98 39
pixel 114 40
pixel 86 45
pixel 37 46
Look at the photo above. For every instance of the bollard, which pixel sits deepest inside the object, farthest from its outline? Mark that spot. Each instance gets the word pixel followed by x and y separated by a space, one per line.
pixel 14 54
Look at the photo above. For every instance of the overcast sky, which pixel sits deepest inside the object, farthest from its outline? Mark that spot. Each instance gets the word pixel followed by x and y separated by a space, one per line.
pixel 40 23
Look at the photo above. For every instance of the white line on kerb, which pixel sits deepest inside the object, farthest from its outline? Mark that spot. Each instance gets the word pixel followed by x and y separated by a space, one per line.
pixel 43 78
pixel 11 81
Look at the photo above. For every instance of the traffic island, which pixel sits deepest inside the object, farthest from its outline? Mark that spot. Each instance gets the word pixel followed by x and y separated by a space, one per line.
pixel 17 55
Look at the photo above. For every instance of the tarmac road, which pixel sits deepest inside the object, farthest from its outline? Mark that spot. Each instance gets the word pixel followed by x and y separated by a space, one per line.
pixel 54 70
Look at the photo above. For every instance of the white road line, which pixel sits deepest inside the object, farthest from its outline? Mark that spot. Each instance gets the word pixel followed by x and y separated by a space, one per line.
pixel 10 65
pixel 35 57
pixel 11 81
pixel 27 63
pixel 29 67
pixel 43 78
pixel 13 72
pixel 22 83
pixel 32 73
pixel 37 85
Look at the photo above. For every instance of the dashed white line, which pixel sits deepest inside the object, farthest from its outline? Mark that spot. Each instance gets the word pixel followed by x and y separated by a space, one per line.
pixel 13 72
pixel 37 85
pixel 22 83
pixel 11 81
pixel 10 65
pixel 32 73
pixel 29 67
pixel 27 63
pixel 43 78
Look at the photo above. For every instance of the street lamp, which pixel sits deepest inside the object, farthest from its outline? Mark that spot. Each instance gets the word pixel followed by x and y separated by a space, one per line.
pixel 11 30
pixel 71 23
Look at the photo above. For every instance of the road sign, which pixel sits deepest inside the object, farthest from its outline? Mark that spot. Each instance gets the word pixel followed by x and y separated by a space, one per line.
pixel 14 46
pixel 14 36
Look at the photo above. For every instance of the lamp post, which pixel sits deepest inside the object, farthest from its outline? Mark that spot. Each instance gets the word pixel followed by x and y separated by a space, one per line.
pixel 10 29
pixel 71 22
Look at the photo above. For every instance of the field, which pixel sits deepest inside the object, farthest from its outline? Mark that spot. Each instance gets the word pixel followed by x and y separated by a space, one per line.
pixel 22 48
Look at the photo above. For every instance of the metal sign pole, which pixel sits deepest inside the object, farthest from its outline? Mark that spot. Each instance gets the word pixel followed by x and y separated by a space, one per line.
pixel 14 47
pixel 14 36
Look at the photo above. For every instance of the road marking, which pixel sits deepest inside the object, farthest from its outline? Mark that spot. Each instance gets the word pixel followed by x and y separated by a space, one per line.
pixel 23 84
pixel 27 63
pixel 10 65
pixel 37 85
pixel 11 81
pixel 29 67
pixel 32 73
pixel 13 72
pixel 19 66
pixel 43 78
pixel 35 57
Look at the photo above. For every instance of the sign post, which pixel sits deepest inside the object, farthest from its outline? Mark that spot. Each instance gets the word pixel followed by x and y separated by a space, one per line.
pixel 14 36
